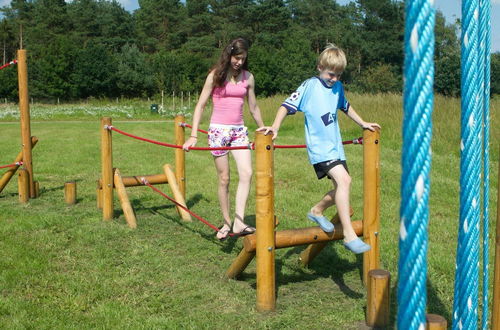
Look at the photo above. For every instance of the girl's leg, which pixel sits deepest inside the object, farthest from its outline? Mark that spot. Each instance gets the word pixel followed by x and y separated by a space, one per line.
pixel 342 180
pixel 222 167
pixel 243 160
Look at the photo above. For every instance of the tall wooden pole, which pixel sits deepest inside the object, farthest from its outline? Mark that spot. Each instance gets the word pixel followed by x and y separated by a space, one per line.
pixel 264 204
pixel 495 318
pixel 371 200
pixel 107 169
pixel 22 77
pixel 180 164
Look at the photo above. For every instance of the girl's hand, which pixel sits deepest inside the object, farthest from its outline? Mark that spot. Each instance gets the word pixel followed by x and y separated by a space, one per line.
pixel 191 142
pixel 267 129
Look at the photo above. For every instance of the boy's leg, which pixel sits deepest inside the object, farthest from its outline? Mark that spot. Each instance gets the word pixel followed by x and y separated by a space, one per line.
pixel 342 180
pixel 327 201
pixel 222 167
pixel 243 160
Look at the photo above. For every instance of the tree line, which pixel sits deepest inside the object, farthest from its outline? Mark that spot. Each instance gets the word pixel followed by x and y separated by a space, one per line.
pixel 95 48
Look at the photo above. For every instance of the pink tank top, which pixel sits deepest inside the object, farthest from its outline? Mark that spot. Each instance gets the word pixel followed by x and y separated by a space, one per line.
pixel 228 102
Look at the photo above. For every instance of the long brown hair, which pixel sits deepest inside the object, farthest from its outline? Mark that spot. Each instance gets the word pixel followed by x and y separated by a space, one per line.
pixel 221 68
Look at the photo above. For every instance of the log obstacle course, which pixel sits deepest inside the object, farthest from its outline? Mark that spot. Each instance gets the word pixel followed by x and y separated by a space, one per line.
pixel 27 141
pixel 266 240
pixel 112 179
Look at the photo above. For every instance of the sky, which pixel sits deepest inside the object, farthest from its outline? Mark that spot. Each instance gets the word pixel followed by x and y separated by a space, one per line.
pixel 450 8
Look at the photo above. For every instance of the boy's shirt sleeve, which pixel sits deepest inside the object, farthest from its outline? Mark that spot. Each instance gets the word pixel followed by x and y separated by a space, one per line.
pixel 343 103
pixel 293 102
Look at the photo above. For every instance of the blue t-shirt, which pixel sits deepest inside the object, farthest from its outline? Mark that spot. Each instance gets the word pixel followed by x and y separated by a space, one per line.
pixel 320 103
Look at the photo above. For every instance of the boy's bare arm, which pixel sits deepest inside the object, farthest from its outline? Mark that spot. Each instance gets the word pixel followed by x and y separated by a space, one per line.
pixel 351 113
pixel 280 116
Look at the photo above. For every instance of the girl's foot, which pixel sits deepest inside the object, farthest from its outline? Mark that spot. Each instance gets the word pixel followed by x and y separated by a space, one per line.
pixel 243 229
pixel 223 233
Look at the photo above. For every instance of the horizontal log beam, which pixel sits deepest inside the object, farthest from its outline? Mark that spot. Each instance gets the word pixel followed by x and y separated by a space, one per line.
pixel 302 236
pixel 133 181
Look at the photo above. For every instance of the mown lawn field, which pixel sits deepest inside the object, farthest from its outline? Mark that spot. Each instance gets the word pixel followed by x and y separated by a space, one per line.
pixel 62 267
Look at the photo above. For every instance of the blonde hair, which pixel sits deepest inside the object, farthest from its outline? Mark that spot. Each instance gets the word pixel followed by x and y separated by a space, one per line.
pixel 332 58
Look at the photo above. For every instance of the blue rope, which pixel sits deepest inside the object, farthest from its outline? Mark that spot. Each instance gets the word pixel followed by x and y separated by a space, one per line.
pixel 466 276
pixel 416 163
pixel 485 42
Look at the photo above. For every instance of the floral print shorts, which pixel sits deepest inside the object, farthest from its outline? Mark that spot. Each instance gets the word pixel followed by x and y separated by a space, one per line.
pixel 226 136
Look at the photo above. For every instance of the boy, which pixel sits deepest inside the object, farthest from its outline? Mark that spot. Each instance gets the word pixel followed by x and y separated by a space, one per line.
pixel 319 98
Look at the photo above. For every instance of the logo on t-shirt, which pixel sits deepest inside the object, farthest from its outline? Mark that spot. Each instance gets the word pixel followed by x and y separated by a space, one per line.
pixel 295 95
pixel 328 118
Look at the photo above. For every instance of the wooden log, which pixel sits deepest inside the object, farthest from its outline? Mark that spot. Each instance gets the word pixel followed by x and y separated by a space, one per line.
pixel 378 298
pixel 11 171
pixel 371 200
pixel 128 212
pixel 435 322
pixel 307 256
pixel 107 169
pixel 23 185
pixel 136 180
pixel 37 189
pixel 495 311
pixel 302 236
pixel 70 192
pixel 240 263
pixel 99 194
pixel 265 223
pixel 178 197
pixel 24 108
pixel 180 156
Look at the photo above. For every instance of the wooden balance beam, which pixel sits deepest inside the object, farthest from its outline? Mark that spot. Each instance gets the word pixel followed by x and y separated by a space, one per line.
pixel 11 171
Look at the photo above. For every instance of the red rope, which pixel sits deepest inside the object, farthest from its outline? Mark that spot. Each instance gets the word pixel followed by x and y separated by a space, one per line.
pixel 8 64
pixel 250 146
pixel 12 165
pixel 173 145
pixel 144 181
pixel 199 130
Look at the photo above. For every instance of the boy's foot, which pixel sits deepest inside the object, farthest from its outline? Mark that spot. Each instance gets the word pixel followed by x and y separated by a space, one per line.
pixel 323 222
pixel 223 233
pixel 357 246
pixel 247 230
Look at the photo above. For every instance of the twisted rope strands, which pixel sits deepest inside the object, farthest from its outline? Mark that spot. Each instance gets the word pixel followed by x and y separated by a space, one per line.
pixel 467 271
pixel 485 41
pixel 416 163
pixel 485 23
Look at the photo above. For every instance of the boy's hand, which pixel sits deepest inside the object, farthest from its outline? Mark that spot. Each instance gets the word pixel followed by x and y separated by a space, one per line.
pixel 371 126
pixel 267 129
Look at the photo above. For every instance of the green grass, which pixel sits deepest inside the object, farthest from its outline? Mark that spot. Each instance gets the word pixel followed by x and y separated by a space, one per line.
pixel 63 267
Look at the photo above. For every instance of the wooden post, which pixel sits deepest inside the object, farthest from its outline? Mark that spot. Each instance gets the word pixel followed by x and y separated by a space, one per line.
pixel 378 302
pixel 70 192
pixel 24 108
pixel 99 194
pixel 240 263
pixel 107 169
pixel 128 212
pixel 264 204
pixel 4 180
pixel 180 163
pixel 313 250
pixel 23 186
pixel 178 197
pixel 435 322
pixel 37 188
pixel 371 200
pixel 495 313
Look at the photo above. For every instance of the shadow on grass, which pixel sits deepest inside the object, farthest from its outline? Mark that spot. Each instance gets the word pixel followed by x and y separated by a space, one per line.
pixel 227 245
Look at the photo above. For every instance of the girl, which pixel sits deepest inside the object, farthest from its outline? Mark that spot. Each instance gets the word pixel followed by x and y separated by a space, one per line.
pixel 229 83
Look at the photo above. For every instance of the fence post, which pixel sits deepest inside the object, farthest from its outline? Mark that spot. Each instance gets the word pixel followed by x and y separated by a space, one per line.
pixel 264 204
pixel 180 164
pixel 107 169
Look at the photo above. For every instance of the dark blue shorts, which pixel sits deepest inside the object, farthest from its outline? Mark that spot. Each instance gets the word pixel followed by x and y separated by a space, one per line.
pixel 323 167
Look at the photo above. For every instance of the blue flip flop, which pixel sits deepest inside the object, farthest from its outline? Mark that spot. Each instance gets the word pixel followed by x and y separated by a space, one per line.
pixel 357 246
pixel 323 222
